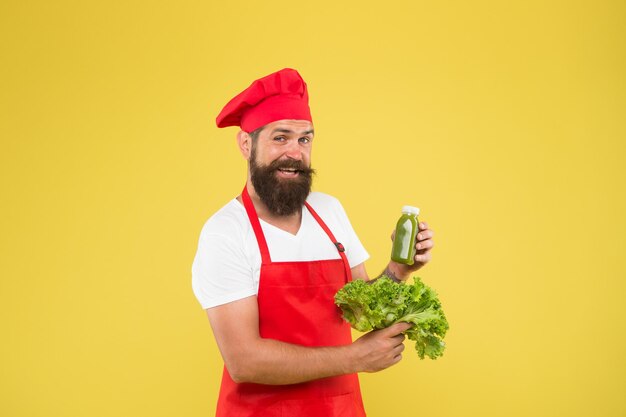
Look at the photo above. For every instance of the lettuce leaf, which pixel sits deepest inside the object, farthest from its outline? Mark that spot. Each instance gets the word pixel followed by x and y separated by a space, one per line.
pixel 384 302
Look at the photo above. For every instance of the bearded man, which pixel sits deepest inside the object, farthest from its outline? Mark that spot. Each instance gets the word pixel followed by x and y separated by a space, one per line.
pixel 269 263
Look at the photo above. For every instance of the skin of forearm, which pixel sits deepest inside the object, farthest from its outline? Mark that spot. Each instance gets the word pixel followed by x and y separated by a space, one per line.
pixel 273 362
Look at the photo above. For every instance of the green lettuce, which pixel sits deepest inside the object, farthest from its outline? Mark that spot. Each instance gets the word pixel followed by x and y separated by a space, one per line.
pixel 376 305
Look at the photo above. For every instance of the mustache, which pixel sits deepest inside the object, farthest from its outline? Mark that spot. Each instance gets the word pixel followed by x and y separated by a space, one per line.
pixel 290 164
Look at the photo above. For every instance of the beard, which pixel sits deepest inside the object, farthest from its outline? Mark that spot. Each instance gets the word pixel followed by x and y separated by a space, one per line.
pixel 282 196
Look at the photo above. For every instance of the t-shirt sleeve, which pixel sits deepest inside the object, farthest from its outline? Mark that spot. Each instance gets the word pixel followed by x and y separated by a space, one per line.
pixel 221 273
pixel 355 251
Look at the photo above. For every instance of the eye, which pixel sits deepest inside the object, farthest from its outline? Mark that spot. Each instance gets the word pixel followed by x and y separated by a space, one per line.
pixel 304 139
pixel 280 139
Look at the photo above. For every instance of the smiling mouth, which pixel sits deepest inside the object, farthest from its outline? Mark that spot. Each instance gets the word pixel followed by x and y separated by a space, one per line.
pixel 288 172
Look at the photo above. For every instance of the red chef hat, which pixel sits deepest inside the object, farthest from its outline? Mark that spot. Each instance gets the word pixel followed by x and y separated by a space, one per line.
pixel 278 96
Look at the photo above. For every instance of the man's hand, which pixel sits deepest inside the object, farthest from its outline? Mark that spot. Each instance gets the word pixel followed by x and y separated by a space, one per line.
pixel 423 245
pixel 379 349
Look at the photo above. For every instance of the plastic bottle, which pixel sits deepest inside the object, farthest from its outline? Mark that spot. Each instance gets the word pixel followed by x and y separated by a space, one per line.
pixel 403 250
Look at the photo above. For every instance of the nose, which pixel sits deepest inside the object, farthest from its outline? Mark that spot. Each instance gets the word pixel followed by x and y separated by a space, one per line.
pixel 293 151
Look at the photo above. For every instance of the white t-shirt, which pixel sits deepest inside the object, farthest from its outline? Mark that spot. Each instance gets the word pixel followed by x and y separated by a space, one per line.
pixel 228 261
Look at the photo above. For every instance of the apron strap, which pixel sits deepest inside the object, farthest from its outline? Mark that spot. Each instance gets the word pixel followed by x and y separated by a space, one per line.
pixel 260 237
pixel 256 225
pixel 338 245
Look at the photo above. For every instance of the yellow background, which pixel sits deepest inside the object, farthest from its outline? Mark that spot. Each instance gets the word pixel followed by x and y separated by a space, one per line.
pixel 503 121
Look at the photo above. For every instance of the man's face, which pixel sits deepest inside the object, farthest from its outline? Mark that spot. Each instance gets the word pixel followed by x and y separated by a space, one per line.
pixel 280 163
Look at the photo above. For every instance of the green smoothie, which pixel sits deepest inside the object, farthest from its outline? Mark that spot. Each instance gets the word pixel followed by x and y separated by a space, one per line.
pixel 403 250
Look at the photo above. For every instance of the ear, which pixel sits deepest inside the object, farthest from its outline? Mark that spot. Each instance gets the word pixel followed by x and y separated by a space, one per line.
pixel 245 144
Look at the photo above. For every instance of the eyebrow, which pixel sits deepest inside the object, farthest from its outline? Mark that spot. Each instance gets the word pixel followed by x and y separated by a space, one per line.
pixel 288 131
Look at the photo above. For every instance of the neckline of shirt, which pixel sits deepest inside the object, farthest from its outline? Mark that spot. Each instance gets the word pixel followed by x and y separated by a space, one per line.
pixel 306 218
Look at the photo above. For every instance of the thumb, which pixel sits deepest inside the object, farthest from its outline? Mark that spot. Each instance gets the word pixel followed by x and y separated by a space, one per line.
pixel 397 329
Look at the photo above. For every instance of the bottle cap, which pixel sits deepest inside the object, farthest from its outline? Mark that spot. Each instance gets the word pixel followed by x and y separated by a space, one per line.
pixel 411 210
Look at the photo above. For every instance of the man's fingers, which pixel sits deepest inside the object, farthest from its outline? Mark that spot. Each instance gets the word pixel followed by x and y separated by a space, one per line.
pixel 425 234
pixel 396 359
pixel 399 339
pixel 425 244
pixel 423 258
pixel 397 329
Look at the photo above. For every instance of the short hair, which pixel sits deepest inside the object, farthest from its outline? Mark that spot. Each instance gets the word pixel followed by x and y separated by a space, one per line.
pixel 255 133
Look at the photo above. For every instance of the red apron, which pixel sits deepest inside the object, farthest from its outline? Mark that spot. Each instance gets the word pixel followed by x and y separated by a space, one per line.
pixel 296 305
